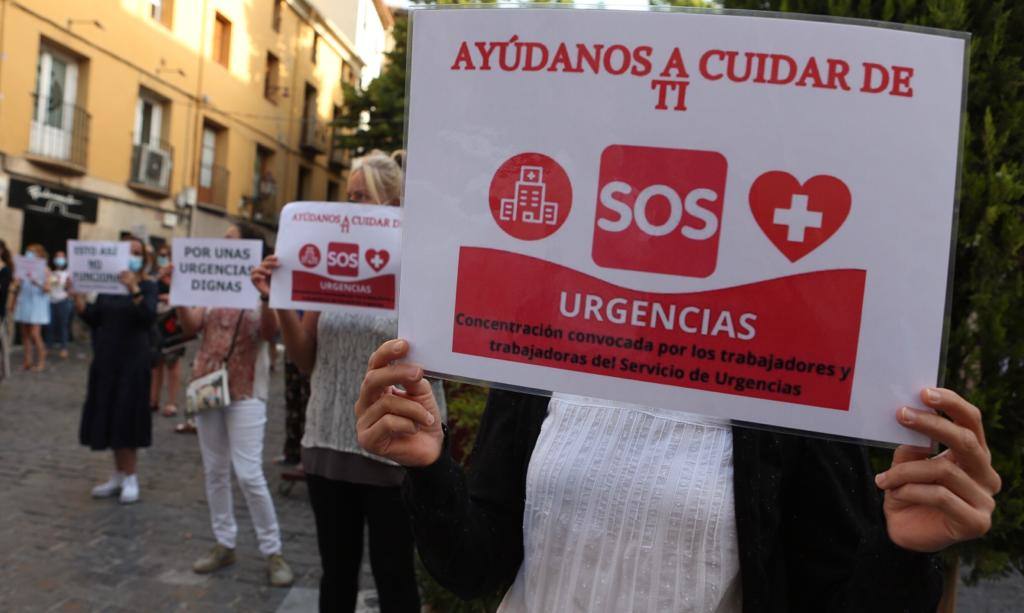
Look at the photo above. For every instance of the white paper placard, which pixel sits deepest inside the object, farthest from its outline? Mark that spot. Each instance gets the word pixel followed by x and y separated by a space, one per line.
pixel 95 265
pixel 627 212
pixel 29 269
pixel 214 272
pixel 337 257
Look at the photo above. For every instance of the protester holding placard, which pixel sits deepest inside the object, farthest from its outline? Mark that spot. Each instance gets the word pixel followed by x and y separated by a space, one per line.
pixel 116 411
pixel 590 505
pixel 235 341
pixel 348 487
pixel 61 307
pixel 32 307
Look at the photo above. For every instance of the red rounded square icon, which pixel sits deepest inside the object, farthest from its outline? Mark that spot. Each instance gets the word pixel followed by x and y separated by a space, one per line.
pixel 659 210
pixel 343 259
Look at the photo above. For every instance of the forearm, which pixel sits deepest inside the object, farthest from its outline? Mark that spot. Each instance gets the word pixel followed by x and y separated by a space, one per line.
pixel 268 323
pixel 191 319
pixel 300 344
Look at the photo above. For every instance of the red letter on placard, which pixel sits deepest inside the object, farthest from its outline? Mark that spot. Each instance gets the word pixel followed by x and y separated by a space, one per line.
pixel 869 70
pixel 901 81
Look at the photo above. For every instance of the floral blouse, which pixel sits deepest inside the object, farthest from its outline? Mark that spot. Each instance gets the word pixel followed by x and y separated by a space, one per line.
pixel 217 329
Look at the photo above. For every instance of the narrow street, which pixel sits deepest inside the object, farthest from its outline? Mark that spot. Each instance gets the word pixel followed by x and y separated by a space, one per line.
pixel 61 550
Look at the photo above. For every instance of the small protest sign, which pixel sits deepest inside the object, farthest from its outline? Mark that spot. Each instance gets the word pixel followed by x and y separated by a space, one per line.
pixel 95 265
pixel 214 272
pixel 337 256
pixel 28 269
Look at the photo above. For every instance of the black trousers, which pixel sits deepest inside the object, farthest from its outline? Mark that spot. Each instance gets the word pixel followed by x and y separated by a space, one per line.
pixel 341 508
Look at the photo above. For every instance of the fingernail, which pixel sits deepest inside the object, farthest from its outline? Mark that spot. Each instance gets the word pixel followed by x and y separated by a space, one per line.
pixel 430 419
pixel 907 415
pixel 933 394
pixel 400 346
pixel 880 479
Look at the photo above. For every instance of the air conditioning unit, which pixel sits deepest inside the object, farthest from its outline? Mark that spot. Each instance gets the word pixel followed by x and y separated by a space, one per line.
pixel 154 166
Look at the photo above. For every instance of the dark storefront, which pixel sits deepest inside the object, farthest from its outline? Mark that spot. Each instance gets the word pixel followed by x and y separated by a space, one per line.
pixel 52 213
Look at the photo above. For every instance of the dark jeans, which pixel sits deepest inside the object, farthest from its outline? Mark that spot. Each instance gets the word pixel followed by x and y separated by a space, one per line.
pixel 341 508
pixel 59 331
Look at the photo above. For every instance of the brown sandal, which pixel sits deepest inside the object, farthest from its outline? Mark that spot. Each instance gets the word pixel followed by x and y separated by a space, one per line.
pixel 185 427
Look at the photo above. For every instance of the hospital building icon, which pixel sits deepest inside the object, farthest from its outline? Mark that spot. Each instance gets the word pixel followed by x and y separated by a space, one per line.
pixel 529 203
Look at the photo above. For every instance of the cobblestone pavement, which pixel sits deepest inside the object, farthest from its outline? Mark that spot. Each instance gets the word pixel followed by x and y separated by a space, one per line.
pixel 62 551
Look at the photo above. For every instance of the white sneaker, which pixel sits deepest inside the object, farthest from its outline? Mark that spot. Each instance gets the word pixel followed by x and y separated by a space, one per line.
pixel 110 488
pixel 130 489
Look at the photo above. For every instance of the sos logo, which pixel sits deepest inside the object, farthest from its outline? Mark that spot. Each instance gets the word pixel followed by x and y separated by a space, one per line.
pixel 659 210
pixel 343 259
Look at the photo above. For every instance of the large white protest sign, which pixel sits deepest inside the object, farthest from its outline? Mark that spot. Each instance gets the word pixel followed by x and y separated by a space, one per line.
pixel 27 269
pixel 742 216
pixel 214 272
pixel 95 265
pixel 337 257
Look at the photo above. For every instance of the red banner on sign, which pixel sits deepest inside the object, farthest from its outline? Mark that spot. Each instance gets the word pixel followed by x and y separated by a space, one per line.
pixel 378 292
pixel 792 339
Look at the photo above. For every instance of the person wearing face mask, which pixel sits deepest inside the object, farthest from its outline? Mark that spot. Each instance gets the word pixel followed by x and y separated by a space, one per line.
pixel 6 277
pixel 61 307
pixel 232 437
pixel 116 412
pixel 166 364
pixel 349 488
pixel 32 312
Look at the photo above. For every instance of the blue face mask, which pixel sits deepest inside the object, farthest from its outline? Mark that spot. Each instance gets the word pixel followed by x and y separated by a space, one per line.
pixel 162 261
pixel 60 262
pixel 30 255
pixel 135 263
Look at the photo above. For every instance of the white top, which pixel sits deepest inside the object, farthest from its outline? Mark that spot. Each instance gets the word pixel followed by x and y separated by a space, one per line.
pixel 59 285
pixel 628 509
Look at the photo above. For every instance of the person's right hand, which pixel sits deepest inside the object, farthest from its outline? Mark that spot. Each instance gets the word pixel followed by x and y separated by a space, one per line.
pixel 261 274
pixel 402 426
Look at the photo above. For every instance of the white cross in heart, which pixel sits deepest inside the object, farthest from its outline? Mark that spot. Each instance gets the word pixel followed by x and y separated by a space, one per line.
pixel 797 218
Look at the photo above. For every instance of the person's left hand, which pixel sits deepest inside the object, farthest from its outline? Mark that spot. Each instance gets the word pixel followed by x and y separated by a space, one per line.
pixel 932 502
pixel 128 279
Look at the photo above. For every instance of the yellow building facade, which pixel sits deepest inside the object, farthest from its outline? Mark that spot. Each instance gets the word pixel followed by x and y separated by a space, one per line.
pixel 164 117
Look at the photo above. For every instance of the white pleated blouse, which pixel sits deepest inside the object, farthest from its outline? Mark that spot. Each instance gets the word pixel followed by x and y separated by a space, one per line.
pixel 628 509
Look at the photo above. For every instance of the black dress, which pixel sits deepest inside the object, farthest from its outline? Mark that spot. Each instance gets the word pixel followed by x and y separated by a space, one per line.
pixel 116 413
pixel 5 287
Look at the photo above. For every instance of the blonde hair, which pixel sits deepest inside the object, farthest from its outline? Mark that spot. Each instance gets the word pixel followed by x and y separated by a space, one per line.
pixel 382 175
pixel 37 249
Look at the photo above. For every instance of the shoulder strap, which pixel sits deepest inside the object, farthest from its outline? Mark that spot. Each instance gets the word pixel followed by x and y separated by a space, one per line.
pixel 234 336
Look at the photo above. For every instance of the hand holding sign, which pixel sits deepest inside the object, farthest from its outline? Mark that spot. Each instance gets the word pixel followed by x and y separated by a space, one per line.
pixel 403 426
pixel 934 502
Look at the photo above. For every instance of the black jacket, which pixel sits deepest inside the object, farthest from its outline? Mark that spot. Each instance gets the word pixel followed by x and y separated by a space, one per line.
pixel 809 519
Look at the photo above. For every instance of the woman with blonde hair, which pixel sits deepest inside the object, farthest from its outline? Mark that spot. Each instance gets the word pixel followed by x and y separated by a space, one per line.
pixel 348 487
pixel 32 311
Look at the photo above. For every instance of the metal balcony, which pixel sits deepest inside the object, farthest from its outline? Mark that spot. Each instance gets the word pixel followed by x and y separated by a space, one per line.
pixel 59 134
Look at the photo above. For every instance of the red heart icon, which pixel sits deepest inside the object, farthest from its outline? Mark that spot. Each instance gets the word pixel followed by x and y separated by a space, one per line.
pixel 377 259
pixel 797 218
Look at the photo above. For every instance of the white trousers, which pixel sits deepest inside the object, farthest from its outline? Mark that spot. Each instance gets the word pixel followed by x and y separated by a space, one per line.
pixel 233 437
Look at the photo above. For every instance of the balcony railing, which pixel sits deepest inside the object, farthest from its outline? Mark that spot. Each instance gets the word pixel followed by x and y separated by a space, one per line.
pixel 316 135
pixel 151 166
pixel 213 185
pixel 59 132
